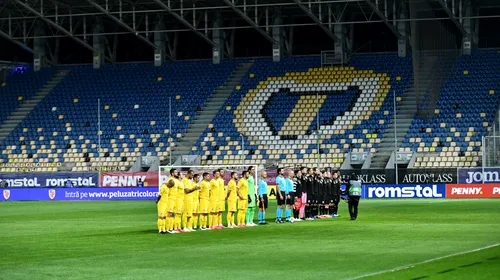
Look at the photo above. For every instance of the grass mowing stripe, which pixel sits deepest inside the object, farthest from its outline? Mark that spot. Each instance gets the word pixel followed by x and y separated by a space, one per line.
pixel 424 262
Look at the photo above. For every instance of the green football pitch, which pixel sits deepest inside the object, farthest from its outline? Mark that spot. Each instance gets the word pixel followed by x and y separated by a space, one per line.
pixel 392 239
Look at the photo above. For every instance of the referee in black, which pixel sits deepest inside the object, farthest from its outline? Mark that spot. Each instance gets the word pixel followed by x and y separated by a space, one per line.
pixel 353 191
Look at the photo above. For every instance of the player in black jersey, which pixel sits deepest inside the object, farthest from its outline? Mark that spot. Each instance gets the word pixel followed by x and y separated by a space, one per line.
pixel 322 180
pixel 317 192
pixel 297 189
pixel 327 194
pixel 309 193
pixel 336 193
pixel 303 186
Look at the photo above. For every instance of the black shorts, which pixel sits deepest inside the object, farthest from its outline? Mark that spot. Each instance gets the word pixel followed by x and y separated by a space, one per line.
pixel 290 201
pixel 266 201
pixel 280 201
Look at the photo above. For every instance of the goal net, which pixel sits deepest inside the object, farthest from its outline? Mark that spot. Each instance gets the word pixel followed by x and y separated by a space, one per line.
pixel 164 171
pixel 491 151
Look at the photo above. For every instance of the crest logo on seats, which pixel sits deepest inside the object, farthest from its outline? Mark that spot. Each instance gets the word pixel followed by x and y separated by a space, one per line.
pixel 6 194
pixel 52 193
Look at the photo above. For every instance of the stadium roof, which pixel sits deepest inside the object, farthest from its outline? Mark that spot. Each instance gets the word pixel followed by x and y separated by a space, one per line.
pixel 19 19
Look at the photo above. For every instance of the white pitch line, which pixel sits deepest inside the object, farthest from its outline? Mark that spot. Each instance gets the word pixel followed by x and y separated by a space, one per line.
pixel 423 262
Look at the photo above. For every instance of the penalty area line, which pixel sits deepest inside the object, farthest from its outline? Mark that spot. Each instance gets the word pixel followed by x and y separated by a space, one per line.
pixel 423 262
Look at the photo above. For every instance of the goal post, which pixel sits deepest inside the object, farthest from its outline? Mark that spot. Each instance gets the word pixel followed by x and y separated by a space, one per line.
pixel 490 151
pixel 164 171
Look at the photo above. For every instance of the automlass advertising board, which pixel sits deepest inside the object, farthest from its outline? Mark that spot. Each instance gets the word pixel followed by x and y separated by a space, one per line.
pixel 13 194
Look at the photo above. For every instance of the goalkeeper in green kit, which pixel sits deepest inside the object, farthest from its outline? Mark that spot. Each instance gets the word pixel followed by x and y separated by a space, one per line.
pixel 252 198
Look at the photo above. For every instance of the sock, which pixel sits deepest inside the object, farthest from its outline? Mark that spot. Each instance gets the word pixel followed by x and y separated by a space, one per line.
pixel 295 214
pixel 263 217
pixel 241 218
pixel 279 213
pixel 184 221
pixel 252 215
pixel 177 221
pixel 210 220
pixel 190 222
pixel 247 215
pixel 229 217
pixel 170 223
pixel 194 221
pixel 260 217
pixel 288 213
pixel 160 224
pixel 202 221
pixel 220 219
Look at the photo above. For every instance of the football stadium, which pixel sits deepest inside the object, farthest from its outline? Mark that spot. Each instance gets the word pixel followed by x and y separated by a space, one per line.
pixel 250 139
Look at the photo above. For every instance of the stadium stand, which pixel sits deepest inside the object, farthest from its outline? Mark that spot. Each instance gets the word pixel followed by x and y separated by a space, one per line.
pixel 275 108
pixel 465 110
pixel 134 114
pixel 21 85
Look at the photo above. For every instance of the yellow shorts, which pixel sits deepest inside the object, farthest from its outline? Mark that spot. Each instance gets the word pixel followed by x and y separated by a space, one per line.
pixel 221 207
pixel 242 204
pixel 231 206
pixel 214 206
pixel 171 206
pixel 204 206
pixel 196 207
pixel 179 208
pixel 162 209
pixel 188 210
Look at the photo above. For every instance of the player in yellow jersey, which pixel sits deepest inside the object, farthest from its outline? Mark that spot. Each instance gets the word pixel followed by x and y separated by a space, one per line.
pixel 231 198
pixel 179 203
pixel 243 198
pixel 196 203
pixel 222 199
pixel 214 200
pixel 161 202
pixel 189 188
pixel 205 201
pixel 172 199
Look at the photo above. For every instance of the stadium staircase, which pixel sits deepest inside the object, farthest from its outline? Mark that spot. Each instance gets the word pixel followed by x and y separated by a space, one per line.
pixel 433 71
pixel 18 115
pixel 209 111
pixel 405 111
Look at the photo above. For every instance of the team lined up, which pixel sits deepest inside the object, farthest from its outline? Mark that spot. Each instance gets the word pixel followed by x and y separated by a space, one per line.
pixel 186 203
pixel 311 193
